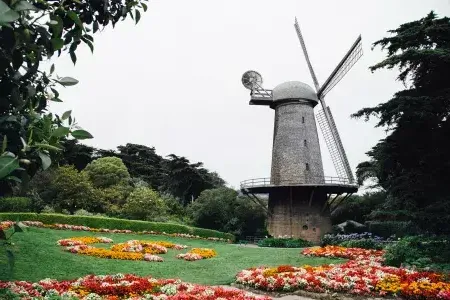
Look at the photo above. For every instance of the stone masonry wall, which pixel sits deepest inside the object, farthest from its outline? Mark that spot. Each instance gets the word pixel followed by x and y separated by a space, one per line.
pixel 296 154
pixel 297 218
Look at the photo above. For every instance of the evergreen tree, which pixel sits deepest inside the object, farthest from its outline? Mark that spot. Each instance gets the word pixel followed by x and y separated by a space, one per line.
pixel 412 163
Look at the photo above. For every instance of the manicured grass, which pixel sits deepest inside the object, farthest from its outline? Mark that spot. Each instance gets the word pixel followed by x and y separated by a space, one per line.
pixel 38 257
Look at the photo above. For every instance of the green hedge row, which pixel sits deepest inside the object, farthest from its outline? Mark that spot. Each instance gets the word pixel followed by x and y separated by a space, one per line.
pixel 113 223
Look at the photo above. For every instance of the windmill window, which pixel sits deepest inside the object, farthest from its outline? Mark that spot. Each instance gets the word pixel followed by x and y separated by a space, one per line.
pixel 303 119
pixel 307 167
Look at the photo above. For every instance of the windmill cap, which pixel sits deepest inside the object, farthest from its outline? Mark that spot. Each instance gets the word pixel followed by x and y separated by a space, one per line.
pixel 294 90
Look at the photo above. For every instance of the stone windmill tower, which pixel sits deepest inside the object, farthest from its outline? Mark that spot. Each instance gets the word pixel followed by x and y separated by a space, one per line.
pixel 299 193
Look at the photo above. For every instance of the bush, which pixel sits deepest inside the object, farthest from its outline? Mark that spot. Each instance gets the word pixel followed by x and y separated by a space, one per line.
pixel 421 252
pixel 107 171
pixel 392 228
pixel 113 223
pixel 284 243
pixel 15 204
pixel 364 243
pixel 143 204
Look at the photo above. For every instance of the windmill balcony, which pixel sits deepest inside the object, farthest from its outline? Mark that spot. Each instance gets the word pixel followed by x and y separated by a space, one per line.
pixel 264 185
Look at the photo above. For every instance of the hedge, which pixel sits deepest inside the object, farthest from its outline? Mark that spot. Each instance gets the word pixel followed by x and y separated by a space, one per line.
pixel 388 228
pixel 113 223
pixel 15 204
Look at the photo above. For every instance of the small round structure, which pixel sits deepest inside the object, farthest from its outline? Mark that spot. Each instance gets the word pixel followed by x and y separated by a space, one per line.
pixel 294 90
pixel 252 80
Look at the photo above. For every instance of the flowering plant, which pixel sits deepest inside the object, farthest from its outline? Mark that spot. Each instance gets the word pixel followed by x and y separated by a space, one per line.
pixel 197 254
pixel 363 274
pixel 122 286
pixel 7 224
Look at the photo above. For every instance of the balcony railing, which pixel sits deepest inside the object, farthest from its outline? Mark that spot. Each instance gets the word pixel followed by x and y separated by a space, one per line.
pixel 262 182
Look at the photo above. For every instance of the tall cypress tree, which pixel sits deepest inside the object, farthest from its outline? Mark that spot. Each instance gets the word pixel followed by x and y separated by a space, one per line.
pixel 413 162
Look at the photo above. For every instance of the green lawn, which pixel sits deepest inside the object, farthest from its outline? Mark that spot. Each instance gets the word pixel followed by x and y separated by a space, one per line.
pixel 38 257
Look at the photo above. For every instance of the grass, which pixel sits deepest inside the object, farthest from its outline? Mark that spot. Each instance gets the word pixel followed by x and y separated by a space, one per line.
pixel 38 257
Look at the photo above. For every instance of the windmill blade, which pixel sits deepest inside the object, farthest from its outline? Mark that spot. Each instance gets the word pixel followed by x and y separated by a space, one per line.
pixel 334 145
pixel 352 56
pixel 305 52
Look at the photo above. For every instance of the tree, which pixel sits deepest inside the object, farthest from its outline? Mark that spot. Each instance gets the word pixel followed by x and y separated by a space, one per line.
pixel 221 209
pixel 31 32
pixel 73 191
pixel 186 180
pixel 412 163
pixel 107 171
pixel 76 154
pixel 142 162
pixel 143 204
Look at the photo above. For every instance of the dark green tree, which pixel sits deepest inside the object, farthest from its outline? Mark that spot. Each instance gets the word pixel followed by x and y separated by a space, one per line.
pixel 186 180
pixel 142 162
pixel 76 154
pixel 412 162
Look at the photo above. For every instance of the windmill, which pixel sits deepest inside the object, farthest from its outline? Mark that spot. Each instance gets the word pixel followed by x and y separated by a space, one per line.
pixel 299 194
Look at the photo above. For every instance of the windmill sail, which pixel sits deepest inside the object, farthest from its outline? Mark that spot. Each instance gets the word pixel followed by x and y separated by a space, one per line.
pixel 302 43
pixel 334 145
pixel 352 56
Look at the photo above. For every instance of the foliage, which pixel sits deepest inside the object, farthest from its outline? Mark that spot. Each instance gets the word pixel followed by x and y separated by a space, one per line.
pixel 363 243
pixel 15 204
pixel 420 251
pixel 76 154
pixel 337 239
pixel 7 245
pixel 357 207
pixel 143 204
pixel 185 180
pixel 107 171
pixel 392 228
pixel 73 190
pixel 221 209
pixel 284 243
pixel 408 164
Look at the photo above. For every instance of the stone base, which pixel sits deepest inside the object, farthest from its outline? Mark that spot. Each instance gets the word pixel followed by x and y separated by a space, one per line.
pixel 297 212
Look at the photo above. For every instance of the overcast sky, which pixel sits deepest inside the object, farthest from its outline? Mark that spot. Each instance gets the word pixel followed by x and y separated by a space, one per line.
pixel 174 80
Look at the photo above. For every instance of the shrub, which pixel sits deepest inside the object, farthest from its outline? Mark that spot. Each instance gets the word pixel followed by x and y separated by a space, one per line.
pixel 107 171
pixel 336 239
pixel 389 228
pixel 284 243
pixel 15 204
pixel 364 243
pixel 143 204
pixel 82 212
pixel 113 223
pixel 419 251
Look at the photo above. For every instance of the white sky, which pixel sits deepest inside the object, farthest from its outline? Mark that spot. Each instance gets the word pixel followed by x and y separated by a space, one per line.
pixel 174 80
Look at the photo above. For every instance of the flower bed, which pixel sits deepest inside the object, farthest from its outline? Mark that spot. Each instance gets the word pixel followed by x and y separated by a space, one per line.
pixel 121 286
pixel 7 224
pixel 197 254
pixel 363 275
